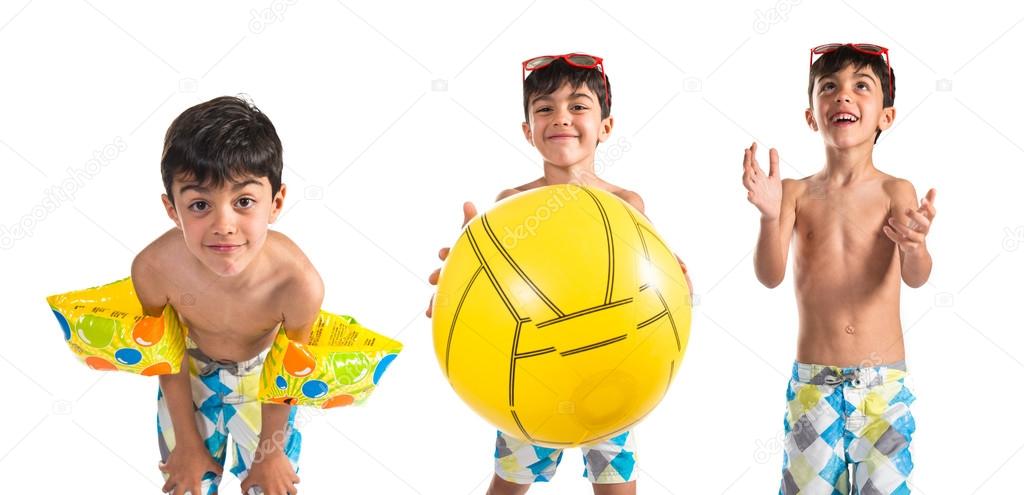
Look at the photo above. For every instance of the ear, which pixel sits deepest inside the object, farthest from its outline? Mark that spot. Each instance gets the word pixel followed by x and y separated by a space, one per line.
pixel 172 213
pixel 809 116
pixel 528 133
pixel 606 129
pixel 278 203
pixel 886 118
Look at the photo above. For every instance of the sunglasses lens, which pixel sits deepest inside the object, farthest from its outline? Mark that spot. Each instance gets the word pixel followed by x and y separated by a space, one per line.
pixel 586 60
pixel 875 49
pixel 538 62
pixel 823 49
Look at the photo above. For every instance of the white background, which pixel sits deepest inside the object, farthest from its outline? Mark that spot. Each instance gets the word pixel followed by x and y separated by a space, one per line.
pixel 380 155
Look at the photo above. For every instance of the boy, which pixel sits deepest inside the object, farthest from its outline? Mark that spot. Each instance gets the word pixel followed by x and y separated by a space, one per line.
pixel 857 232
pixel 567 103
pixel 233 282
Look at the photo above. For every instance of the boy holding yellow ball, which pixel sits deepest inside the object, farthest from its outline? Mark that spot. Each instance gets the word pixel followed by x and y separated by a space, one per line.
pixel 567 105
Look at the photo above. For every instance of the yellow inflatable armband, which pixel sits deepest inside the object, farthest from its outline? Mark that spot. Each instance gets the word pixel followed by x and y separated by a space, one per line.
pixel 341 365
pixel 106 328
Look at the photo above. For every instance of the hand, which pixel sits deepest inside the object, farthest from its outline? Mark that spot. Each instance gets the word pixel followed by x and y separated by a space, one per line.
pixel 468 213
pixel 911 237
pixel 686 274
pixel 185 468
pixel 764 191
pixel 273 473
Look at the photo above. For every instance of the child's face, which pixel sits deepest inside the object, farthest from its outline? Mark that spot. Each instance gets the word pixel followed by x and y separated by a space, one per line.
pixel 224 227
pixel 566 126
pixel 847 107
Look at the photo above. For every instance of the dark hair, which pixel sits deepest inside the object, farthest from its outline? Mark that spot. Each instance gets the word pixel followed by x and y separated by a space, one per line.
pixel 833 62
pixel 551 78
pixel 221 140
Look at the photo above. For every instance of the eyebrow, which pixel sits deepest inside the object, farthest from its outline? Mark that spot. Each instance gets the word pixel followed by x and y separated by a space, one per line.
pixel 869 75
pixel 237 186
pixel 572 96
pixel 859 74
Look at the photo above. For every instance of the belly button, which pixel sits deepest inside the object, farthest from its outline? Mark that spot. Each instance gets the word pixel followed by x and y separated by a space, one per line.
pixel 849 329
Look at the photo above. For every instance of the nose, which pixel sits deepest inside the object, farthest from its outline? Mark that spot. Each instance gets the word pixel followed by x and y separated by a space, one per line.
pixel 224 223
pixel 842 96
pixel 562 117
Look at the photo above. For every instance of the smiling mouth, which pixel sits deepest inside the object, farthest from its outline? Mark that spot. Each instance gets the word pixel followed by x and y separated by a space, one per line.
pixel 224 248
pixel 562 136
pixel 844 118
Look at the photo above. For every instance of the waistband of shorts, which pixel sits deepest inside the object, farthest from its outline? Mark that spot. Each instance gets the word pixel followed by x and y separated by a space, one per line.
pixel 820 374
pixel 206 365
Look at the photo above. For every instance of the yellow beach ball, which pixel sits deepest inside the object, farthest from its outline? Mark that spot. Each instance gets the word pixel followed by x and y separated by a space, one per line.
pixel 561 316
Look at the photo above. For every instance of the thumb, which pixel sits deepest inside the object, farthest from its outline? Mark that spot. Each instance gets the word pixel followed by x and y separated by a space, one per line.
pixel 468 212
pixel 215 467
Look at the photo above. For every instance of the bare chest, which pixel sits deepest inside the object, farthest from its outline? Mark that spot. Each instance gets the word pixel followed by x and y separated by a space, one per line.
pixel 220 318
pixel 842 225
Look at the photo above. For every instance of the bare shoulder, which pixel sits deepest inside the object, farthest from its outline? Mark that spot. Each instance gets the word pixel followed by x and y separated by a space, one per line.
pixel 793 188
pixel 631 197
pixel 300 293
pixel 506 193
pixel 301 290
pixel 898 188
pixel 518 189
pixel 298 272
pixel 151 267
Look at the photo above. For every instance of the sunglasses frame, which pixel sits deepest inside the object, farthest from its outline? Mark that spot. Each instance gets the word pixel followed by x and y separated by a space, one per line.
pixel 865 48
pixel 598 64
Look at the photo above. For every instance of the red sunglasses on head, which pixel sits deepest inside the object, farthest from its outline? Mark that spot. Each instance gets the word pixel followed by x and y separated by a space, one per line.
pixel 580 60
pixel 865 48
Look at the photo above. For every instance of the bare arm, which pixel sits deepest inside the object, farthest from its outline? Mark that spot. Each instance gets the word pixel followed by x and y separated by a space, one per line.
pixel 271 470
pixel 189 459
pixel 177 389
pixel 302 302
pixel 776 200
pixel 907 226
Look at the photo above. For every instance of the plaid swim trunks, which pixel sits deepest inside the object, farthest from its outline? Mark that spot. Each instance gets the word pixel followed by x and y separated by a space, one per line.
pixel 847 426
pixel 609 461
pixel 224 399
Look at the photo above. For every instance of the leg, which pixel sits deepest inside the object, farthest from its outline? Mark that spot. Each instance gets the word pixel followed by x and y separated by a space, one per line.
pixel 502 487
pixel 244 420
pixel 518 464
pixel 611 464
pixel 814 456
pixel 880 449
pixel 214 438
pixel 615 488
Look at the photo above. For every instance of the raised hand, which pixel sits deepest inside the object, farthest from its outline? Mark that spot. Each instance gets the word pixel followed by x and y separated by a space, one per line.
pixel 911 237
pixel 468 213
pixel 764 191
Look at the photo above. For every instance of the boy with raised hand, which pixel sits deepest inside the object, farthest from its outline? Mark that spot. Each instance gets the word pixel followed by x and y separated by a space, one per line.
pixel 857 232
